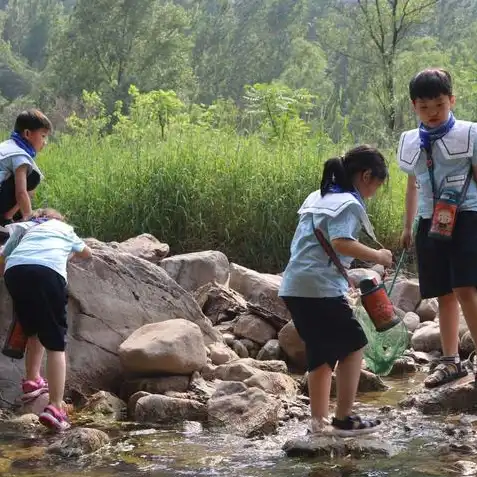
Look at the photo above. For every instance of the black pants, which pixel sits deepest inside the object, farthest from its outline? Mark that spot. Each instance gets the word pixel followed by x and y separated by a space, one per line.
pixel 328 328
pixel 39 297
pixel 445 265
pixel 7 191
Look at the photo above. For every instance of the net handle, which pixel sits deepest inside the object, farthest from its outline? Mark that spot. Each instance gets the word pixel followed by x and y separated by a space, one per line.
pixel 396 273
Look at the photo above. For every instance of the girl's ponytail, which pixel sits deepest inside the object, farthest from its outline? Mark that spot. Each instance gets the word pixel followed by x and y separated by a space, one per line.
pixel 335 174
pixel 339 172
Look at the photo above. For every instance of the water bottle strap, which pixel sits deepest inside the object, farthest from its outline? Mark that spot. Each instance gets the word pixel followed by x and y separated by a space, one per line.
pixel 332 254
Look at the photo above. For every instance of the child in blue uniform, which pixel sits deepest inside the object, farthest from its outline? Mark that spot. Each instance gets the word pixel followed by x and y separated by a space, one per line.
pixel 314 290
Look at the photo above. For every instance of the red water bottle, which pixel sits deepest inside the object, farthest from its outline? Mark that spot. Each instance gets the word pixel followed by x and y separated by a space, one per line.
pixel 16 341
pixel 377 304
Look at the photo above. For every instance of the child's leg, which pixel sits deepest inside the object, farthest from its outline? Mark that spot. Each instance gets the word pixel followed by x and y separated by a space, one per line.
pixel 449 368
pixel 56 375
pixel 449 324
pixel 467 297
pixel 347 379
pixel 33 358
pixel 319 387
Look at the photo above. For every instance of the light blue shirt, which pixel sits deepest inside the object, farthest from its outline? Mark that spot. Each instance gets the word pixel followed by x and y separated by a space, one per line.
pixel 309 272
pixel 9 165
pixel 444 171
pixel 48 244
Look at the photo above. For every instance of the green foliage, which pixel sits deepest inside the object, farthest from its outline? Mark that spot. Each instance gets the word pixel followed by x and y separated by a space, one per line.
pixel 109 45
pixel 151 110
pixel 278 110
pixel 201 186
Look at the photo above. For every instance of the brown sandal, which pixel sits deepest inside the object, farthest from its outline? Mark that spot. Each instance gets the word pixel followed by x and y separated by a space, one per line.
pixel 445 373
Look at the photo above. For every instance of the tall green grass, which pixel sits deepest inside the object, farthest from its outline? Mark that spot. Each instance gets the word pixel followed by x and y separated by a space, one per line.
pixel 199 189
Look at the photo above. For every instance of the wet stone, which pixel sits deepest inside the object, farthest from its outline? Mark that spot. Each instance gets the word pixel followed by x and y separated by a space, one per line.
pixel 332 447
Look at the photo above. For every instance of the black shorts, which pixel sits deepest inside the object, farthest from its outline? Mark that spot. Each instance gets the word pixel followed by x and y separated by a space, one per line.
pixel 7 191
pixel 328 328
pixel 445 265
pixel 39 299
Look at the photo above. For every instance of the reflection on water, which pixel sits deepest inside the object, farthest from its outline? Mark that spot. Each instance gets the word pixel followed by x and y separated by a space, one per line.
pixel 192 451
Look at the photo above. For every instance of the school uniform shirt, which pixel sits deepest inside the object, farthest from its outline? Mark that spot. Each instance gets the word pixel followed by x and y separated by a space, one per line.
pixel 445 171
pixel 48 244
pixel 10 164
pixel 310 273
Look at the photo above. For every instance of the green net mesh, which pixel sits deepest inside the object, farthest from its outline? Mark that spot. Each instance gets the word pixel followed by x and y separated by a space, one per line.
pixel 384 347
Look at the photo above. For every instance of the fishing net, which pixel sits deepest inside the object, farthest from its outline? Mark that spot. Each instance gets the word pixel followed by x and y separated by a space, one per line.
pixel 384 347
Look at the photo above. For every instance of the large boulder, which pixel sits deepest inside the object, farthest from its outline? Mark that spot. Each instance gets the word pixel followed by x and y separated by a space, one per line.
pixel 292 345
pixel 157 408
pixel 173 347
pixel 144 246
pixel 253 328
pixel 427 339
pixel 457 396
pixel 258 288
pixel 193 270
pixel 246 412
pixel 406 295
pixel 110 296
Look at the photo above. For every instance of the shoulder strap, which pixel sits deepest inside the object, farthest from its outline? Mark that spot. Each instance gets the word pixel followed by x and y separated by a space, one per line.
pixel 332 254
pixel 435 192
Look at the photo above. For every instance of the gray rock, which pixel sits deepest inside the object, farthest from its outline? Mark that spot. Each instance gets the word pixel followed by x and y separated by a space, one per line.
pixel 156 408
pixel 154 385
pixel 458 396
pixel 427 339
pixel 331 447
pixel 270 351
pixel 252 347
pixel 78 442
pixel 247 413
pixel 412 321
pixel 193 270
pixel 240 349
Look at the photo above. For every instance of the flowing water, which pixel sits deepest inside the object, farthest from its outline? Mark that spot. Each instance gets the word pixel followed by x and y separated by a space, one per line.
pixel 426 446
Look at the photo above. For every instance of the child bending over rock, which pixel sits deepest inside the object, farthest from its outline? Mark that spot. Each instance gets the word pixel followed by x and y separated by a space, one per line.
pixel 34 261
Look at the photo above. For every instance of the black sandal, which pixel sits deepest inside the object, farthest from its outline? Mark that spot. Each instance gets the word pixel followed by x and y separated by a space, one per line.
pixel 354 426
pixel 445 373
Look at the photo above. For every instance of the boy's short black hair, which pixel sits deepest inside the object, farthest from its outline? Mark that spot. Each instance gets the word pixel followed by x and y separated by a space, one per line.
pixel 32 119
pixel 430 84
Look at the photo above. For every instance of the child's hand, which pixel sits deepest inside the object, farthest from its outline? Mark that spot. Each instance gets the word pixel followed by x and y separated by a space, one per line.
pixel 406 239
pixel 384 257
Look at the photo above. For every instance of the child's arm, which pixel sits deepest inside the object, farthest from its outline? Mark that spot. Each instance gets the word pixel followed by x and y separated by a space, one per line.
pixel 410 211
pixel 21 194
pixel 355 249
pixel 84 254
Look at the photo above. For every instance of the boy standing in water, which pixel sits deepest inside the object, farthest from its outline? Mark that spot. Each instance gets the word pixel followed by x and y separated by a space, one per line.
pixel 35 277
pixel 19 174
pixel 440 158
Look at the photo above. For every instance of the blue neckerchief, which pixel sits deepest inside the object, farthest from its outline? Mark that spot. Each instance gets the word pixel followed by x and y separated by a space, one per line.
pixel 336 189
pixel 23 143
pixel 428 136
pixel 39 220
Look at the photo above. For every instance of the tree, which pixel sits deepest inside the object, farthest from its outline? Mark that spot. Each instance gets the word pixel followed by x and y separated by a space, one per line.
pixel 278 110
pixel 29 26
pixel 379 31
pixel 110 44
